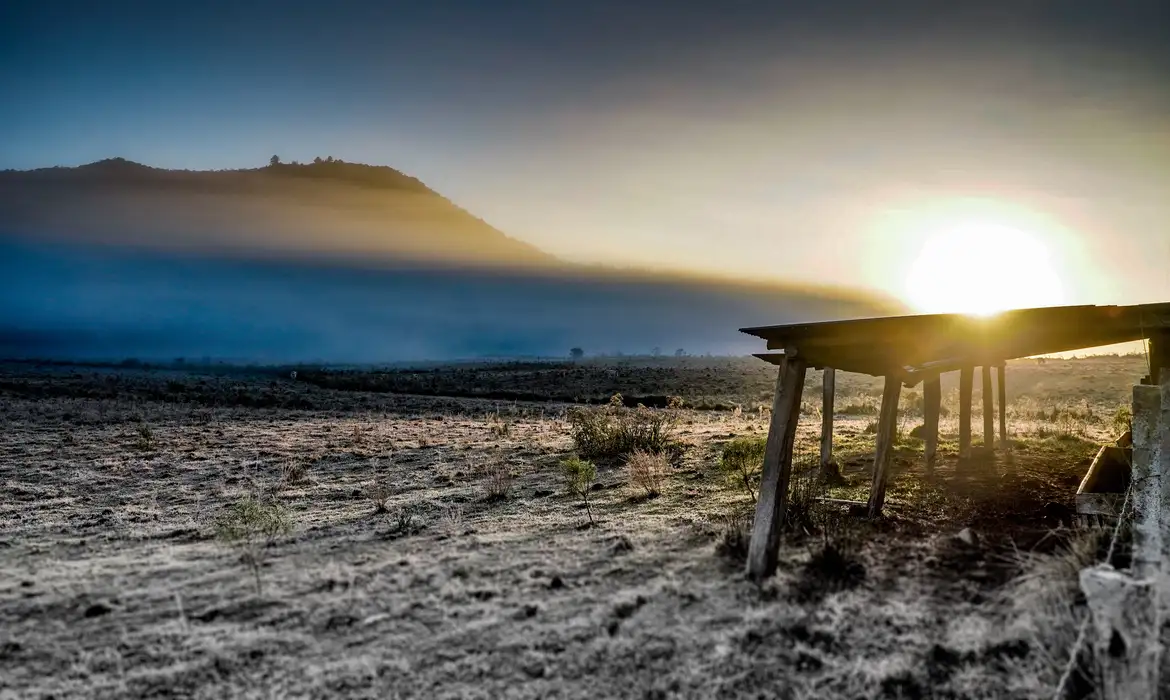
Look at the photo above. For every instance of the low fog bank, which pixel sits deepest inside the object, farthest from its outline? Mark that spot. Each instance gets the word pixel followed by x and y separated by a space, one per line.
pixel 90 303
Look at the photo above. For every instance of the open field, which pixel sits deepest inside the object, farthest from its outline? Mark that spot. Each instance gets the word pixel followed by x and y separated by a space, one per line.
pixel 404 572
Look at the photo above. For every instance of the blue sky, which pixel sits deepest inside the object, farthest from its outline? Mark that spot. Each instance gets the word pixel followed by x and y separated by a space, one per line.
pixel 751 138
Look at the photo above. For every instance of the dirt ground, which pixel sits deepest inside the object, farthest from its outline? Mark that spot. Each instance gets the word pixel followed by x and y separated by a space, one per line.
pixel 115 585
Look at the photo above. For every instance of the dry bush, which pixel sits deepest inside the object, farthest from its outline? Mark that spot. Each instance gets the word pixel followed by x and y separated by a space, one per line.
pixel 647 471
pixel 403 519
pixel 251 525
pixel 614 431
pixel 497 475
pixel 145 437
pixel 741 463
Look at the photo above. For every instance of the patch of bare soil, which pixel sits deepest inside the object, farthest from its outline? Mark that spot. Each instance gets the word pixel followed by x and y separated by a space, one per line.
pixel 406 574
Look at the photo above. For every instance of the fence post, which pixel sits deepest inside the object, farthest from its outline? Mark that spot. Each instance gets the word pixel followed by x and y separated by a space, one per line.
pixel 1124 613
pixel 1125 610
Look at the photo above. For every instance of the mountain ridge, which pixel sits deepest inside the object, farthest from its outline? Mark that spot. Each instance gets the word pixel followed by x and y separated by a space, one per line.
pixel 352 207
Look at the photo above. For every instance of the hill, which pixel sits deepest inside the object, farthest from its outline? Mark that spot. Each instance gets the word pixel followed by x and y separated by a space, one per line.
pixel 328 208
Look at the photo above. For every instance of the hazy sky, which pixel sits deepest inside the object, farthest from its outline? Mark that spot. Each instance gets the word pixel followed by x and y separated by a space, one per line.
pixel 824 142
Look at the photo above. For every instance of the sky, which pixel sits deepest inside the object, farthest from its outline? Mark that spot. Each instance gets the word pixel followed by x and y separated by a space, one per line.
pixel 809 142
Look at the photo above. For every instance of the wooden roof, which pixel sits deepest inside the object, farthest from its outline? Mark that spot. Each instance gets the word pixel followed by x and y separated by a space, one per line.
pixel 929 343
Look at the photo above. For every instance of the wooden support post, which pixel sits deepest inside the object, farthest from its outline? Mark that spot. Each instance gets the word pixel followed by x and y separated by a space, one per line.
pixel 885 444
pixel 1126 626
pixel 966 380
pixel 988 410
pixel 777 470
pixel 931 408
pixel 1002 396
pixel 1159 356
pixel 828 467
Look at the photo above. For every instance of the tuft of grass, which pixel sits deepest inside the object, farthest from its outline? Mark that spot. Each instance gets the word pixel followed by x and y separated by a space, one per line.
pixel 379 493
pixel 499 427
pixel 452 520
pixel 735 536
pixel 579 475
pixel 1048 606
pixel 294 473
pixel 251 526
pixel 804 513
pixel 498 480
pixel 615 431
pixel 741 463
pixel 648 471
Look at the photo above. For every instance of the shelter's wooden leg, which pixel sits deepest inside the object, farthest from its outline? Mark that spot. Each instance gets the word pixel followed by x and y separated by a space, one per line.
pixel 828 467
pixel 777 470
pixel 988 410
pixel 931 408
pixel 1002 396
pixel 885 444
pixel 966 382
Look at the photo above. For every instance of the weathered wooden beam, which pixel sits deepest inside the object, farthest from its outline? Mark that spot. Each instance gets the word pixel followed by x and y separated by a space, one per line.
pixel 966 382
pixel 1002 396
pixel 988 410
pixel 828 392
pixel 931 409
pixel 887 423
pixel 777 470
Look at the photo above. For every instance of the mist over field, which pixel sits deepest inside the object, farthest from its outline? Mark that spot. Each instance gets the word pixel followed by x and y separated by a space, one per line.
pixel 71 301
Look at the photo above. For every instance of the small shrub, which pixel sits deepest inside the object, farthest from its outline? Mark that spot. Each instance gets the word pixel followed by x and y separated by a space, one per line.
pixel 647 471
pixel 742 461
pixel 614 431
pixel 251 525
pixel 145 439
pixel 1122 421
pixel 404 519
pixel 579 475
pixel 497 480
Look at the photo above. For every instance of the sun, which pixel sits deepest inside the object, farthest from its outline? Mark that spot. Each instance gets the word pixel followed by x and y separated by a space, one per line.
pixel 981 268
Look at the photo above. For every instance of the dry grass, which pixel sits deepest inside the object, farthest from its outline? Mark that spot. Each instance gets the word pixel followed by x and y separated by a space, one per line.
pixel 647 472
pixel 115 585
pixel 497 479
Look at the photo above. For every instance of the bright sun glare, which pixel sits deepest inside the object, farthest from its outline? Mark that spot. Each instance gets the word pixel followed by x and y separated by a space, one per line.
pixel 982 268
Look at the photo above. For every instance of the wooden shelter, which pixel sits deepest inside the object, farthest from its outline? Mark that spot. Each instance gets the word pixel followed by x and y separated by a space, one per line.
pixel 906 350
